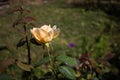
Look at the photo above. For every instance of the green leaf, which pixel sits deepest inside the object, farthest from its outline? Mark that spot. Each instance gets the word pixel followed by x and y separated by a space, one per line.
pixel 96 78
pixel 66 59
pixel 89 76
pixel 67 72
pixel 83 79
pixel 42 61
pixel 5 77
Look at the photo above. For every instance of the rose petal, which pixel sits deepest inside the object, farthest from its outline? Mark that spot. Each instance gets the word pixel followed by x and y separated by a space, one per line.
pixel 46 28
pixel 35 32
pixel 45 33
pixel 56 33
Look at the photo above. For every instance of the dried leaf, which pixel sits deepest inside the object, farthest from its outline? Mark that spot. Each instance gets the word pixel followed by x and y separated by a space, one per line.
pixel 84 56
pixel 21 42
pixel 109 56
pixel 16 23
pixel 106 63
pixel 28 19
pixel 5 63
pixel 24 66
pixel 19 9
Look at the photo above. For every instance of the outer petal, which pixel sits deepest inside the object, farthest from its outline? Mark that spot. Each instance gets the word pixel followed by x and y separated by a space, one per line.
pixel 47 28
pixel 56 33
pixel 36 33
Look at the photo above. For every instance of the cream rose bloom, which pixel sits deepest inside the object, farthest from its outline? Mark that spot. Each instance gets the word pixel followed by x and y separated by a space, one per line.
pixel 45 34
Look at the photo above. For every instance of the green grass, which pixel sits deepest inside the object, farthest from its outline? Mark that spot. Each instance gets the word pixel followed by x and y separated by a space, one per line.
pixel 75 24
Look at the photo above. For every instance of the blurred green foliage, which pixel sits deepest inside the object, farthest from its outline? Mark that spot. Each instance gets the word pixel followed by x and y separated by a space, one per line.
pixel 91 31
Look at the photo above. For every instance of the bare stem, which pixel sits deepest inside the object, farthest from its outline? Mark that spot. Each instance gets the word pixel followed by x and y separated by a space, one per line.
pixel 28 50
pixel 28 45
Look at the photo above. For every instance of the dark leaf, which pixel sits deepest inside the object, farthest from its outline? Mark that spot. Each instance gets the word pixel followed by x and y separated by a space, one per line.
pixel 48 74
pixel 115 71
pixel 34 41
pixel 66 59
pixel 67 72
pixel 5 77
pixel 3 48
pixel 21 42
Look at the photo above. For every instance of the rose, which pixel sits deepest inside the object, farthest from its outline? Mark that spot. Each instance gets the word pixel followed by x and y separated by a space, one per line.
pixel 45 34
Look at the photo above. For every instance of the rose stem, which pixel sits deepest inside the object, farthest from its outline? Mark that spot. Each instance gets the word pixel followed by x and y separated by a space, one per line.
pixel 28 45
pixel 28 48
pixel 51 63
